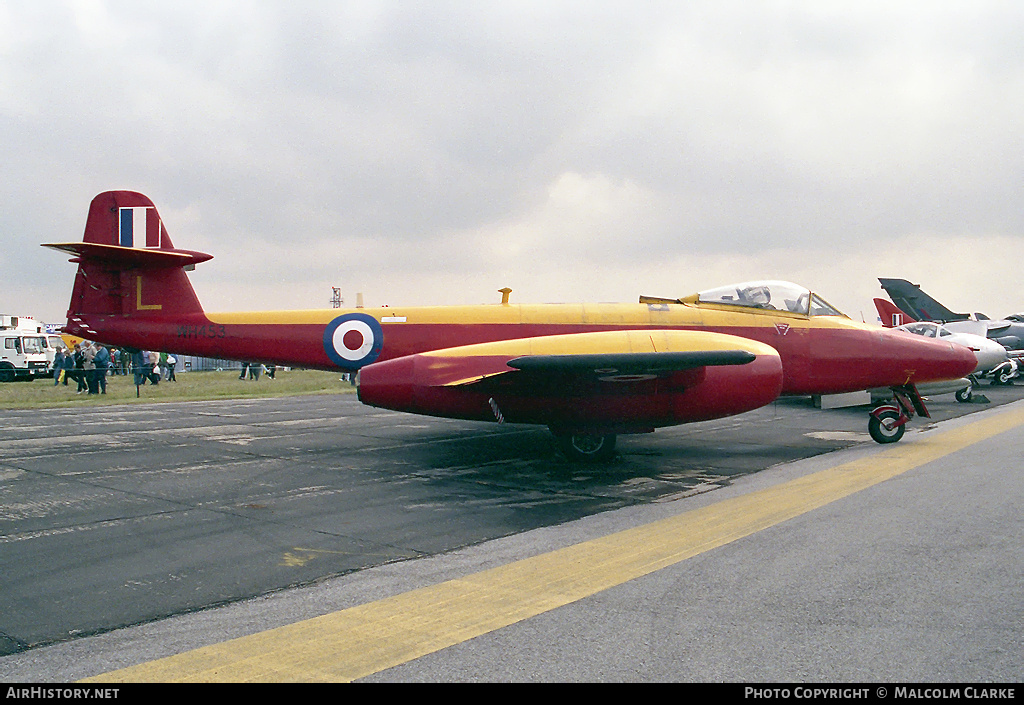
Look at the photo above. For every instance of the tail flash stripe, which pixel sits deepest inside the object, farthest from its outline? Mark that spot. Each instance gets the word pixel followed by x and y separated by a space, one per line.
pixel 139 227
pixel 127 223
pixel 152 228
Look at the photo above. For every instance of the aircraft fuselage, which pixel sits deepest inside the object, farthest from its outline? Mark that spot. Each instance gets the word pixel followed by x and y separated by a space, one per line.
pixel 820 355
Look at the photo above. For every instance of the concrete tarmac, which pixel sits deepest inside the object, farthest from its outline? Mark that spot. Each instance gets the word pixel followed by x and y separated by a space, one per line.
pixel 868 563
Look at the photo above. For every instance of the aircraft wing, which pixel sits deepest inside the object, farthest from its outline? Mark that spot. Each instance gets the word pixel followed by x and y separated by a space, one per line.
pixel 990 329
pixel 577 373
pixel 623 366
pixel 658 363
pixel 612 379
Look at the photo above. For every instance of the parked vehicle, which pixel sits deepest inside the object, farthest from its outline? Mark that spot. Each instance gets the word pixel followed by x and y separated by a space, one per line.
pixel 23 349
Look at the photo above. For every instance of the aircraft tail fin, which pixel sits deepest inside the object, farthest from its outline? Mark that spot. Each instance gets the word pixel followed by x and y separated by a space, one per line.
pixel 889 315
pixel 911 300
pixel 127 264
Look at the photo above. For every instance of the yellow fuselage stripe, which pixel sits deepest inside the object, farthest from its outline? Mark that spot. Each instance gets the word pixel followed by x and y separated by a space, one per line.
pixel 366 639
pixel 620 315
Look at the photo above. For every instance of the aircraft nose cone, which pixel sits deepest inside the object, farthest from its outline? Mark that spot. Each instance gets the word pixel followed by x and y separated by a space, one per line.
pixel 990 355
pixel 960 361
pixel 930 360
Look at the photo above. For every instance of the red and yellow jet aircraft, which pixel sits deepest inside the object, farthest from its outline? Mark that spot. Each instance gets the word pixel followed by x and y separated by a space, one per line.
pixel 587 371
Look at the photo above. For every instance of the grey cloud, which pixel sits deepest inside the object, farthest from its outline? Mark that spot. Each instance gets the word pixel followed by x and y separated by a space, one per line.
pixel 429 127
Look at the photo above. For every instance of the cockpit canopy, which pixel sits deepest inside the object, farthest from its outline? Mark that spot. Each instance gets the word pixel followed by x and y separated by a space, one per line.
pixel 927 329
pixel 770 295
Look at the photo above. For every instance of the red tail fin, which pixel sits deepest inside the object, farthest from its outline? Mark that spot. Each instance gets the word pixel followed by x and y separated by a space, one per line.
pixel 127 265
pixel 890 315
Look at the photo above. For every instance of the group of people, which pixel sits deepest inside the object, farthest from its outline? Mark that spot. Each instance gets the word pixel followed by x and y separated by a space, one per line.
pixel 88 365
pixel 254 369
pixel 149 366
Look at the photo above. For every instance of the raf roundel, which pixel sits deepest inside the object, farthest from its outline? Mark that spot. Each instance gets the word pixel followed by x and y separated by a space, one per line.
pixel 353 340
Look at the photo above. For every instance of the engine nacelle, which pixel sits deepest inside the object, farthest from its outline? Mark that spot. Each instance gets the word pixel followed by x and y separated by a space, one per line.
pixel 476 381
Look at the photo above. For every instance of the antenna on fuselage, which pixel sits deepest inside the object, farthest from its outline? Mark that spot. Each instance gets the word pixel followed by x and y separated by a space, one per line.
pixel 505 291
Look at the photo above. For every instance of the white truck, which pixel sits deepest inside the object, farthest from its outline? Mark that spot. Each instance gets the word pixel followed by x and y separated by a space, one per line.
pixel 24 349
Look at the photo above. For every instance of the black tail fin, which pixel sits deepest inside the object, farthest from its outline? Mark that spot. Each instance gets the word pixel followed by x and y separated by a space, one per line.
pixel 917 304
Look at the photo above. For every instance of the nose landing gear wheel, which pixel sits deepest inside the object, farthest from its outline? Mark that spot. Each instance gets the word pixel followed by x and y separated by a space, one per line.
pixel 885 428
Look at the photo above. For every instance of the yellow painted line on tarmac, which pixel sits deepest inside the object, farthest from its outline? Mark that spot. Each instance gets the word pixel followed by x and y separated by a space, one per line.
pixel 366 639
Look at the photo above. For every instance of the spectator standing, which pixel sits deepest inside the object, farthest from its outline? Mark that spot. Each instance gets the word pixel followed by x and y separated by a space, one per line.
pixel 102 362
pixel 89 365
pixel 80 369
pixel 69 366
pixel 58 366
pixel 139 367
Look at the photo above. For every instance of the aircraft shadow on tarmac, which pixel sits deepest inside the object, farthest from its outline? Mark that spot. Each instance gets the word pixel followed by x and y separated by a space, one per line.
pixel 651 467
pixel 513 460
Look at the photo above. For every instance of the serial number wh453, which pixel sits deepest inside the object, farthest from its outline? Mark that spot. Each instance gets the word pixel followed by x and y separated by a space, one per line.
pixel 204 331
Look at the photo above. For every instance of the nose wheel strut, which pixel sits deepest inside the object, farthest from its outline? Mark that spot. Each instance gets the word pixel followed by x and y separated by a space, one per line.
pixel 888 422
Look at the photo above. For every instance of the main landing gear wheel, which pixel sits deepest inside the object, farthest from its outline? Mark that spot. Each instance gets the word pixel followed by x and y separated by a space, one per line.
pixel 885 428
pixel 964 395
pixel 587 447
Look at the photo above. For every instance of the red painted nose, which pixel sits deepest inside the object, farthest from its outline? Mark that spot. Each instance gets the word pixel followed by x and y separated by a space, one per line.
pixel 928 360
pixel 965 361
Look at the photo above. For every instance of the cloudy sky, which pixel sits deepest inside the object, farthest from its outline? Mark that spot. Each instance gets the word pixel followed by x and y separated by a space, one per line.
pixel 432 152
